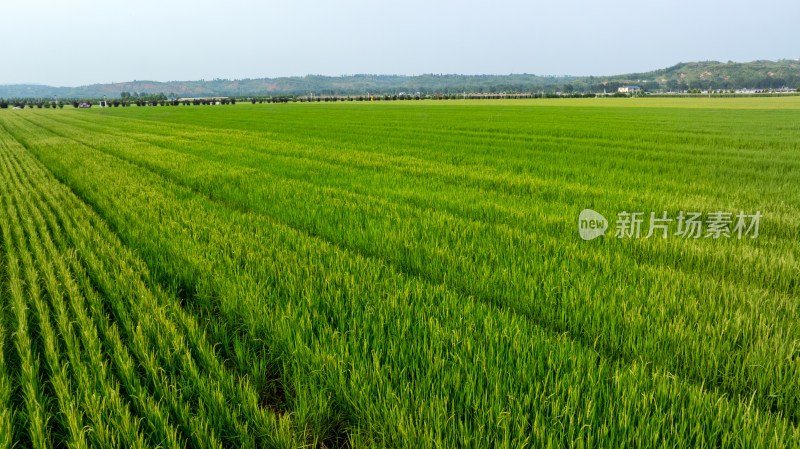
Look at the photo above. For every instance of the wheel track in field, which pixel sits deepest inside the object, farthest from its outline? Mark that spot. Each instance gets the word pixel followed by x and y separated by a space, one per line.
pixel 587 342
pixel 232 384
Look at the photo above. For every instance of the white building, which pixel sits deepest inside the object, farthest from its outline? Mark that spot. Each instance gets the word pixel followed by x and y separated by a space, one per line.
pixel 629 89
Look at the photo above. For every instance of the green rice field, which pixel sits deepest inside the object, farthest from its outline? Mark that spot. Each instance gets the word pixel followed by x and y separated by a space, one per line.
pixel 399 275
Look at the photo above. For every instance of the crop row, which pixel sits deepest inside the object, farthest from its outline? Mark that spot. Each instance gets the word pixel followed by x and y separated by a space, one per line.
pixel 123 365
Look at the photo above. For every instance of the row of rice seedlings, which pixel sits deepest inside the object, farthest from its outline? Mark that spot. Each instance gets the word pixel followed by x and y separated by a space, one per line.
pixel 769 374
pixel 32 255
pixel 152 415
pixel 330 335
pixel 215 388
pixel 171 355
pixel 35 415
pixel 111 421
pixel 195 428
pixel 6 387
pixel 126 369
pixel 190 418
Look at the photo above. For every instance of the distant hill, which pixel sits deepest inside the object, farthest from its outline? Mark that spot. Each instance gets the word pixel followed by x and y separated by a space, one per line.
pixel 720 75
pixel 690 75
pixel 316 84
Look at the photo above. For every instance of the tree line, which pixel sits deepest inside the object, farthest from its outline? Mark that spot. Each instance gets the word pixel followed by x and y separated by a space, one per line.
pixel 566 91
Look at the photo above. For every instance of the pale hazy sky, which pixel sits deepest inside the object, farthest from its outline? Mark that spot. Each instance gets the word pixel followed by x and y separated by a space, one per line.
pixel 76 42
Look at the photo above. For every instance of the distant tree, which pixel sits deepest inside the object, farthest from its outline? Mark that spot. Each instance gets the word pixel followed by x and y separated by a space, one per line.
pixel 672 85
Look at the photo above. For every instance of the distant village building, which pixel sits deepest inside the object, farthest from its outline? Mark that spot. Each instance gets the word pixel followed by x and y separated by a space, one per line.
pixel 212 100
pixel 629 89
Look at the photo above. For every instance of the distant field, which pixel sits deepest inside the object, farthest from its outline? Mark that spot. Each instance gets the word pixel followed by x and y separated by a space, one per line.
pixel 398 274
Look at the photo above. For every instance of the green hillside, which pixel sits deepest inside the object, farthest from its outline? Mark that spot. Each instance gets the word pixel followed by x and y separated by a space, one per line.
pixel 317 84
pixel 722 75
pixel 679 77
